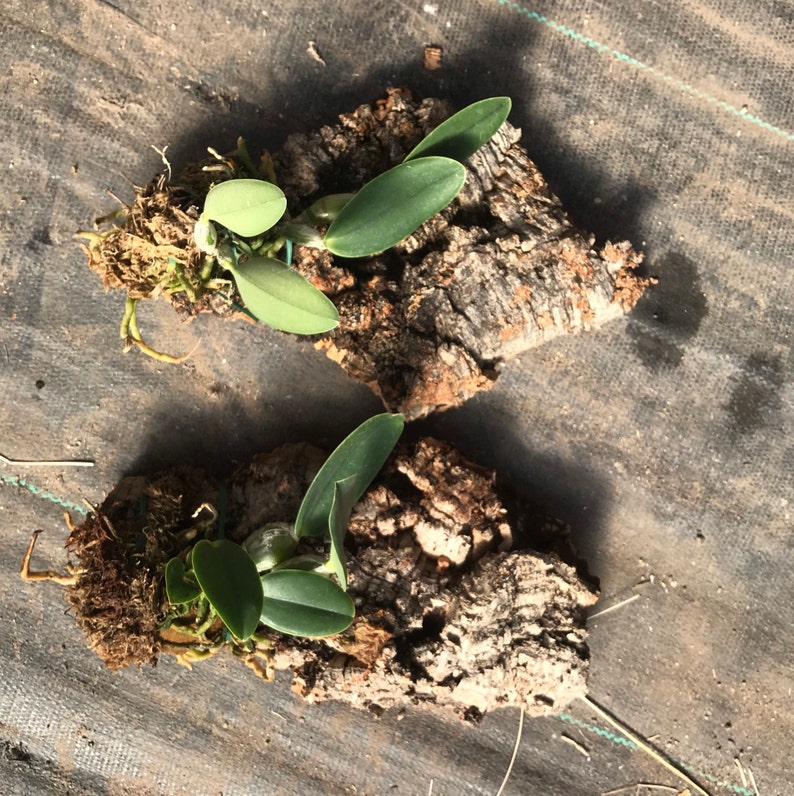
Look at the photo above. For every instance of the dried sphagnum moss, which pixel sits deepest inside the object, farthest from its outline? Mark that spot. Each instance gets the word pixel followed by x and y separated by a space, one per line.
pixel 149 249
pixel 121 551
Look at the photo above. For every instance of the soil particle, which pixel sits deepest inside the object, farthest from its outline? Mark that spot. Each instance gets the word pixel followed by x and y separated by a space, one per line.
pixel 454 609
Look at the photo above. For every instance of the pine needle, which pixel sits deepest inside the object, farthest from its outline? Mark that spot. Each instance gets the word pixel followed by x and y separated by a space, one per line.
pixel 515 754
pixel 679 772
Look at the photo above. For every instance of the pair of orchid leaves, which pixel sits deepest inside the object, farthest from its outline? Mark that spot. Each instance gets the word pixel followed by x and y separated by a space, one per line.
pixel 253 227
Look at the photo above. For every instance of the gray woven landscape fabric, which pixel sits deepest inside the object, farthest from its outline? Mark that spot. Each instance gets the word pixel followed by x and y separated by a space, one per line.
pixel 664 439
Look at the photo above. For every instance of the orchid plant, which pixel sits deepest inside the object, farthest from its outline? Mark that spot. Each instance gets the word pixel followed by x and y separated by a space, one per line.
pixel 268 581
pixel 244 225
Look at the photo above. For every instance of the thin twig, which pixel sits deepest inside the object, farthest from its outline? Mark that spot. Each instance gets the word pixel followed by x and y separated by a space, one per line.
pixel 576 745
pixel 614 607
pixel 161 153
pixel 515 754
pixel 679 772
pixel 741 771
pixel 46 463
pixel 752 781
pixel 430 788
pixel 616 791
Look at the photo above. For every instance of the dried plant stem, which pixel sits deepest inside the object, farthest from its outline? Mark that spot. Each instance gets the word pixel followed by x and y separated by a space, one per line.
pixel 753 782
pixel 576 745
pixel 515 754
pixel 618 725
pixel 615 607
pixel 45 463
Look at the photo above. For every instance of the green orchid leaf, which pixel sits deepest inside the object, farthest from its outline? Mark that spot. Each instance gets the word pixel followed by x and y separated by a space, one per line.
pixel 180 587
pixel 280 297
pixel 341 509
pixel 246 207
pixel 393 205
pixel 460 136
pixel 303 603
pixel 228 577
pixel 360 455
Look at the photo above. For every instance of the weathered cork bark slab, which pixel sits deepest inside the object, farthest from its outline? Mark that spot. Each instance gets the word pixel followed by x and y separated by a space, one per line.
pixel 427 324
pixel 453 608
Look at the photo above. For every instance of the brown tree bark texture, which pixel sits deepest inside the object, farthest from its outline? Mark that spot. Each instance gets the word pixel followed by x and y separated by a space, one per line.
pixel 454 609
pixel 501 270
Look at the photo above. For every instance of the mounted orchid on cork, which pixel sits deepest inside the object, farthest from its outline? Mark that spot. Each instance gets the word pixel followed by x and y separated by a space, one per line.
pixel 279 576
pixel 212 592
pixel 240 255
pixel 427 593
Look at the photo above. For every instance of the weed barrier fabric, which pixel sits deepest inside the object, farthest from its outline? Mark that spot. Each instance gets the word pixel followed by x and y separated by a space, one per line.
pixel 663 440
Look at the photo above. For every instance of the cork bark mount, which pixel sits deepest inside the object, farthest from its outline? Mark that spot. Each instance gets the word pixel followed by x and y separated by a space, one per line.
pixel 428 323
pixel 453 609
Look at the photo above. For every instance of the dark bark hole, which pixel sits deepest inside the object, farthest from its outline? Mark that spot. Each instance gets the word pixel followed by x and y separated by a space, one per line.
pixel 403 488
pixel 472 714
pixel 433 622
pixel 407 645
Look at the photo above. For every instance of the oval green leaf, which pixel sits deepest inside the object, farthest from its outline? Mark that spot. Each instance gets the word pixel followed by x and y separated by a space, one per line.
pixel 341 508
pixel 460 136
pixel 306 604
pixel 179 588
pixel 280 297
pixel 246 207
pixel 360 455
pixel 393 205
pixel 229 579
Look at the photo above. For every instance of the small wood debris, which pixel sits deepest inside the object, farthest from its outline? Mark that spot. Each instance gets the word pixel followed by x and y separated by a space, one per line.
pixel 581 748
pixel 432 60
pixel 312 50
pixel 615 607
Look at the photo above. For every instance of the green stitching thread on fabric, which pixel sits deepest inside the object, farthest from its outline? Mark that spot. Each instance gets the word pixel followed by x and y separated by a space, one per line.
pixel 679 84
pixel 12 480
pixel 619 740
